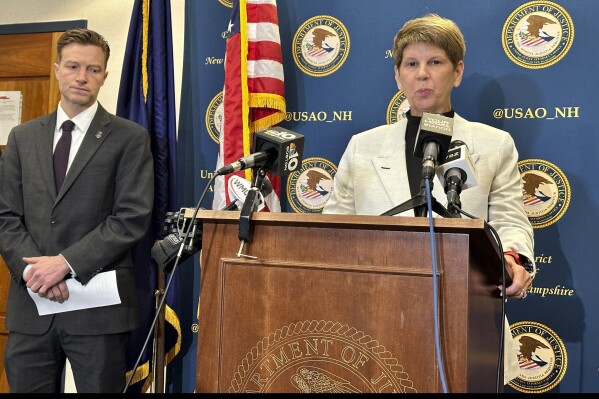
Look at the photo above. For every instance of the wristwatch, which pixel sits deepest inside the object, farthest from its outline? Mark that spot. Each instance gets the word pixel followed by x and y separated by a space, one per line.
pixel 528 265
pixel 523 261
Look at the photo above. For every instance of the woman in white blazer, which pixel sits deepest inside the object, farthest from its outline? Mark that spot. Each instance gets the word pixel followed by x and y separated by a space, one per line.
pixel 378 170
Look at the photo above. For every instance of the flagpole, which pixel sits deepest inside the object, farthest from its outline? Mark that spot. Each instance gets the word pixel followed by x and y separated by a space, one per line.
pixel 159 337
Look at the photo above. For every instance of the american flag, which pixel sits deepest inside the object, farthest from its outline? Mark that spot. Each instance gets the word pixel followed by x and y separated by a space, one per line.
pixel 254 90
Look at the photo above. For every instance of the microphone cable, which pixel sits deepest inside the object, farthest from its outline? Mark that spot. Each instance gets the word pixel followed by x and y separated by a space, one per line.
pixel 435 294
pixel 499 377
pixel 168 284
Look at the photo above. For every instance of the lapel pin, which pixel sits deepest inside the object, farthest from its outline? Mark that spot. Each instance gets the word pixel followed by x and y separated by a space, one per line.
pixel 99 134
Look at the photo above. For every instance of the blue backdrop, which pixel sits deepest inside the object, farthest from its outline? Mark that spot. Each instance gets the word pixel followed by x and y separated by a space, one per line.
pixel 540 87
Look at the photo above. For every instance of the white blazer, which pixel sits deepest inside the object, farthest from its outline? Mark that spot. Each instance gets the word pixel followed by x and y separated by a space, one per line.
pixel 372 178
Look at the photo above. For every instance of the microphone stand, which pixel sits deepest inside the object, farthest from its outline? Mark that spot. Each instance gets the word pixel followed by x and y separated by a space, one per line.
pixel 250 205
pixel 454 208
pixel 162 302
pixel 419 204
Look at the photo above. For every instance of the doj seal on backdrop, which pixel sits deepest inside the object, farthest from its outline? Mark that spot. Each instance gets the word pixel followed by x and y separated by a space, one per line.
pixel 546 191
pixel 397 108
pixel 228 3
pixel 320 45
pixel 542 358
pixel 309 188
pixel 537 34
pixel 318 356
pixel 214 117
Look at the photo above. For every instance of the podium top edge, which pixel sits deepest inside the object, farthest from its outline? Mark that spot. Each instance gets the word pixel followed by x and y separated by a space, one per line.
pixel 374 222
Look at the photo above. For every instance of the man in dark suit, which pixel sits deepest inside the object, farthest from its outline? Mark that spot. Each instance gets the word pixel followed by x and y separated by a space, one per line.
pixel 53 237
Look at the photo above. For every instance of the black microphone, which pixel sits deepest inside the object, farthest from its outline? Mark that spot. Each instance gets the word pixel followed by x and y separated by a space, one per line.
pixel 457 173
pixel 432 141
pixel 165 251
pixel 277 149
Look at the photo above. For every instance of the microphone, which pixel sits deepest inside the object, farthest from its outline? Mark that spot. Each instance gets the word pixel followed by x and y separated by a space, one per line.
pixel 457 173
pixel 432 141
pixel 165 251
pixel 277 149
pixel 250 161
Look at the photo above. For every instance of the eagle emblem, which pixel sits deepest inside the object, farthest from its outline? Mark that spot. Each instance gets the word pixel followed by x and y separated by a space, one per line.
pixel 535 27
pixel 527 358
pixel 317 380
pixel 531 189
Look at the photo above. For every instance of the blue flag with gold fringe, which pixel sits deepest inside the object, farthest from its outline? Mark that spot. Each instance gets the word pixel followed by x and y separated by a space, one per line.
pixel 147 96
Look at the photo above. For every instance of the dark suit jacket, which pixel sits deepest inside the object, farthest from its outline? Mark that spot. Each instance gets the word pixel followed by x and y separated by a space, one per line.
pixel 103 208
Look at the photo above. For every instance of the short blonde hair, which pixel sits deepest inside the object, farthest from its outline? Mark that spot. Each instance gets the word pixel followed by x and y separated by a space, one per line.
pixel 85 37
pixel 431 29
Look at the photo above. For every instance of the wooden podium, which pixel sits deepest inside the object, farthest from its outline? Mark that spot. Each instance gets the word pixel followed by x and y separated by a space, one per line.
pixel 338 303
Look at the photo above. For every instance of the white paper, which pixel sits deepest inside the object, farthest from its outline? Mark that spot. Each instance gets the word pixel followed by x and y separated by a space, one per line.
pixel 10 113
pixel 101 290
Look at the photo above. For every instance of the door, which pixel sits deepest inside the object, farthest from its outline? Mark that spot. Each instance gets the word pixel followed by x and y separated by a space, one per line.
pixel 26 65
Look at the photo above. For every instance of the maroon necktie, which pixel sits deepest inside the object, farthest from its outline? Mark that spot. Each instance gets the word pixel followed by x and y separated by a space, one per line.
pixel 61 153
